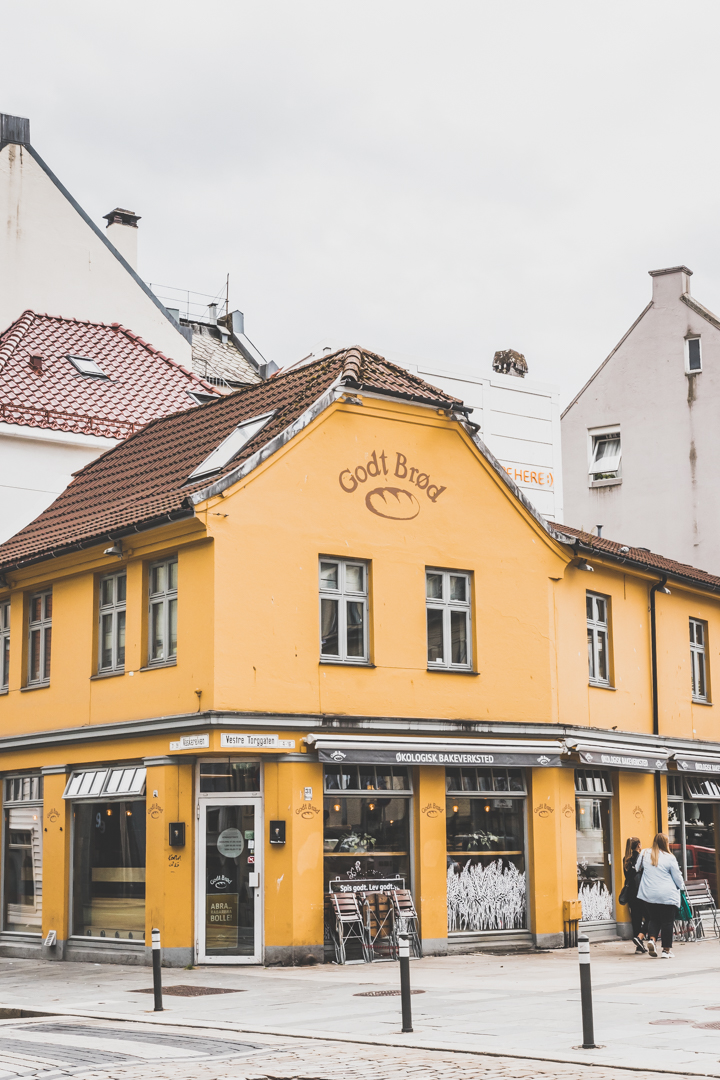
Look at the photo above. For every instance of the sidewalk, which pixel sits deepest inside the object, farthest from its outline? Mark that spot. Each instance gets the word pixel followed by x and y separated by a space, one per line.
pixel 649 1014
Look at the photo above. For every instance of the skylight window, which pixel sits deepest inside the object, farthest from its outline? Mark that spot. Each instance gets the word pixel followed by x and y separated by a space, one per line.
pixel 86 366
pixel 231 446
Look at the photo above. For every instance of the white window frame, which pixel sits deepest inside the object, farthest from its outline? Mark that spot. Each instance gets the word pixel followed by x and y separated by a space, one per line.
pixel 595 437
pixel 231 445
pixel 4 645
pixel 163 599
pixel 87 366
pixel 597 628
pixel 41 626
pixel 343 595
pixel 108 782
pixel 698 660
pixel 112 611
pixel 688 369
pixel 448 606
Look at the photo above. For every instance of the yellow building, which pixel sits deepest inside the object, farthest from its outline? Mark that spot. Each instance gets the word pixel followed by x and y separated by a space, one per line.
pixel 311 638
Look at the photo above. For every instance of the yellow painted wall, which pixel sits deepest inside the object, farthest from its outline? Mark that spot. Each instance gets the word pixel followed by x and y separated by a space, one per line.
pixel 430 854
pixel 551 849
pixel 170 871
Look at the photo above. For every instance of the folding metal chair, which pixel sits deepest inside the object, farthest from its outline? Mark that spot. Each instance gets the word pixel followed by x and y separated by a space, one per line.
pixel 702 903
pixel 406 919
pixel 348 926
pixel 379 913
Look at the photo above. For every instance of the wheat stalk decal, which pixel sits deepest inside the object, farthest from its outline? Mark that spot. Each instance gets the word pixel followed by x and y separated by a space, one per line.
pixel 485 897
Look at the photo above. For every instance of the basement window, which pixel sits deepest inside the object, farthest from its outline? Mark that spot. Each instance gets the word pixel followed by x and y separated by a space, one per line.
pixel 231 446
pixel 693 356
pixel 86 366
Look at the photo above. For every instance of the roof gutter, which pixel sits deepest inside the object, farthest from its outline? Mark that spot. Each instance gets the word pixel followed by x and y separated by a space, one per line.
pixel 623 560
pixel 113 534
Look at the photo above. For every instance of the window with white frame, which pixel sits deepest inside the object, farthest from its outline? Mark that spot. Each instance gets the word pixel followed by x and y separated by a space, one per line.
pixel 344 610
pixel 598 638
pixel 111 643
pixel 447 595
pixel 693 355
pixel 4 644
pixel 40 638
pixel 162 627
pixel 605 455
pixel 698 641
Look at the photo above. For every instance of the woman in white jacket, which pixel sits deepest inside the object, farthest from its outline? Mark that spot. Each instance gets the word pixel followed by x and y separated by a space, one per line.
pixel 659 889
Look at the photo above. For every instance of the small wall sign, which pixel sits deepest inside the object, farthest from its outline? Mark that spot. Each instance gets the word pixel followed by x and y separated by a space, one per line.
pixel 230 740
pixel 191 742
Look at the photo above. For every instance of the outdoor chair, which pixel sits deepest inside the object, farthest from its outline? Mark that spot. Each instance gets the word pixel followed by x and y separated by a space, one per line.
pixel 406 919
pixel 379 914
pixel 702 903
pixel 347 925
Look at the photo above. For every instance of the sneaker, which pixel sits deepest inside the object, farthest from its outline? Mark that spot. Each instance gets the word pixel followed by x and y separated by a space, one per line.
pixel 651 948
pixel 640 952
pixel 638 941
pixel 669 955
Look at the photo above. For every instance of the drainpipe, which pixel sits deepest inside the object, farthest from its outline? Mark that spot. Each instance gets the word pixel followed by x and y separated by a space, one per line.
pixel 659 586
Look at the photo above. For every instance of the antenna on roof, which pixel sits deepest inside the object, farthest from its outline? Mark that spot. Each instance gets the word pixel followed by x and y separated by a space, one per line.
pixel 227 296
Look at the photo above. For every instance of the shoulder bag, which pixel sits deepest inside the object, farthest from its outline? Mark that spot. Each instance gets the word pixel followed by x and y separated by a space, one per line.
pixel 629 891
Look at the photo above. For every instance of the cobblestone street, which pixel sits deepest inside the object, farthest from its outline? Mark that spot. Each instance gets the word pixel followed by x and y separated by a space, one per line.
pixel 55 1048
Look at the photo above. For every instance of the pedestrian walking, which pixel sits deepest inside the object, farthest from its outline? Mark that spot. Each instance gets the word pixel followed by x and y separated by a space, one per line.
pixel 629 894
pixel 660 885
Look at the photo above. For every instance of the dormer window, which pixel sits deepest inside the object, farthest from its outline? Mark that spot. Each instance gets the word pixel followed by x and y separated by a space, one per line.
pixel 693 355
pixel 86 366
pixel 231 446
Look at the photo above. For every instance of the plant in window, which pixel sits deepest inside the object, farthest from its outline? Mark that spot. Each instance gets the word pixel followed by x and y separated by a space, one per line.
pixel 354 842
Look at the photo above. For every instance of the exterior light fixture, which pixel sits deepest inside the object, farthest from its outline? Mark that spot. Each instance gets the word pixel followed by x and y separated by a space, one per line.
pixel 665 590
pixel 116 549
pixel 583 565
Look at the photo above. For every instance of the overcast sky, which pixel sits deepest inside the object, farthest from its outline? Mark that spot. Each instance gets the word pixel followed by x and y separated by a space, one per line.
pixel 431 180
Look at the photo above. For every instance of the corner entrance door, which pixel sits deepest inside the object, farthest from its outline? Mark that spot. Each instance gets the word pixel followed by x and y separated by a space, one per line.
pixel 229 909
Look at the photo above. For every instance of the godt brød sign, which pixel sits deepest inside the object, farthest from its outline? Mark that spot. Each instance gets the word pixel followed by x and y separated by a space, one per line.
pixel 402 497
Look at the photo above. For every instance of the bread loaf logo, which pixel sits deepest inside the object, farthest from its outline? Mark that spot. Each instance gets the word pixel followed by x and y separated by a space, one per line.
pixel 391 501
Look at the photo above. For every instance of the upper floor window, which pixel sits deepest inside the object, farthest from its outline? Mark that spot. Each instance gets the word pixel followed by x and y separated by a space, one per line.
pixel 698 641
pixel 40 630
pixel 693 355
pixel 4 644
pixel 598 638
pixel 447 595
pixel 111 655
pixel 162 631
pixel 605 455
pixel 343 610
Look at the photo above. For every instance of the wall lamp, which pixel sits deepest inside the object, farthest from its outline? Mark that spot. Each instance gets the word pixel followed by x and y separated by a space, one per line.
pixel 116 549
pixel 583 565
pixel 665 590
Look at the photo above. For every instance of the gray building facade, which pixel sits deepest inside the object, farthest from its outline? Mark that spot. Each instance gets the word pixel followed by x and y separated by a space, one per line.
pixel 641 440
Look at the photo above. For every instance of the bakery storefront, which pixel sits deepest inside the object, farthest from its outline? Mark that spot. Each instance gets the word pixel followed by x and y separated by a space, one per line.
pixel 694 817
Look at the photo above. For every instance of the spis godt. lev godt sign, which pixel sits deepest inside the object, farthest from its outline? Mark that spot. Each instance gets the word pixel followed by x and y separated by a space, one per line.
pixel 399 503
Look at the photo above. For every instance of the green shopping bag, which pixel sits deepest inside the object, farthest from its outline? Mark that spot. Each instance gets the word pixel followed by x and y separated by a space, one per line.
pixel 685 914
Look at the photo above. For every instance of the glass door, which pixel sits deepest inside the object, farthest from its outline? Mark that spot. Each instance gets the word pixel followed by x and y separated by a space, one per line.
pixel 229 908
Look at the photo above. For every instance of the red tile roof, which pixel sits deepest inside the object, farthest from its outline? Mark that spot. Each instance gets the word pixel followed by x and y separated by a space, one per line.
pixel 142 383
pixel 638 557
pixel 144 478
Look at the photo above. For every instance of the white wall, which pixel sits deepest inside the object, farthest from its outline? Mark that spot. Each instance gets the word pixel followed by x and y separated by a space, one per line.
pixel 519 423
pixel 36 465
pixel 668 499
pixel 53 262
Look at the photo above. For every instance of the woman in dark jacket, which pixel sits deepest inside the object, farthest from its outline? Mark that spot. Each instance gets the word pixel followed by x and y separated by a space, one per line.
pixel 637 907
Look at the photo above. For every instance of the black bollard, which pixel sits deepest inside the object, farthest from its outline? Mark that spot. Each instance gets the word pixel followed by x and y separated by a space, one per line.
pixel 157 974
pixel 404 952
pixel 586 992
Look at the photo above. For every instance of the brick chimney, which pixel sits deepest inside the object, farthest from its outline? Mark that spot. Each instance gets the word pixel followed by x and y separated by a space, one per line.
pixel 670 284
pixel 122 232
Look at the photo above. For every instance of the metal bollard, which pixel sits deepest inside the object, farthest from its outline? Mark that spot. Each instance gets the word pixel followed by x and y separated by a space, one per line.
pixel 404 952
pixel 157 975
pixel 586 992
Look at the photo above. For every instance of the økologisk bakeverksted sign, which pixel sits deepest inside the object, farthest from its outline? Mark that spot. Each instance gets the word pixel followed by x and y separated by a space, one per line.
pixel 439 757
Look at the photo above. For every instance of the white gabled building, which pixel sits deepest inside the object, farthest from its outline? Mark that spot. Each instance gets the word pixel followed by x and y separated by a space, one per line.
pixel 641 440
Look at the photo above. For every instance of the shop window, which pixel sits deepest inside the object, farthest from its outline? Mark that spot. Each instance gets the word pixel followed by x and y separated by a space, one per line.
pixel 486 881
pixel 4 644
pixel 698 662
pixel 360 778
pixel 162 629
pixel 598 638
pixel 40 638
pixel 593 780
pixel 594 850
pixel 605 455
pixel 22 874
pixel 676 820
pixel 108 882
pixel 343 611
pixel 229 776
pixel 447 598
pixel 113 589
pixel 701 823
pixel 700 787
